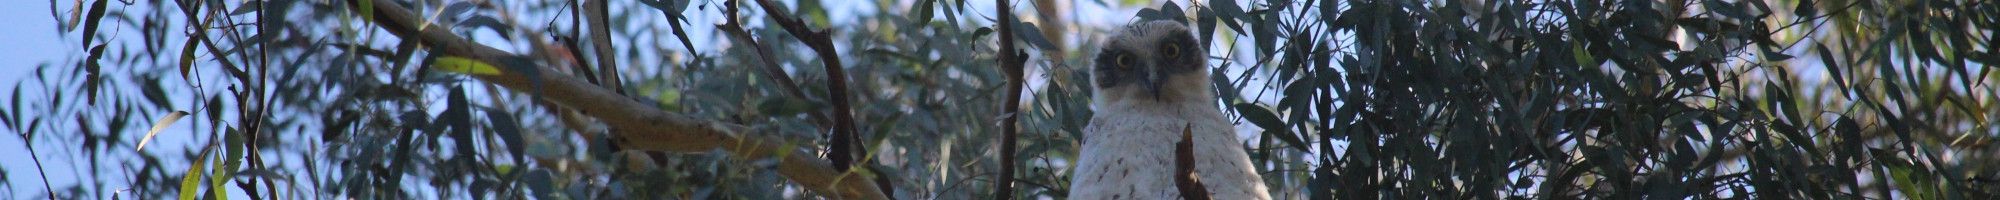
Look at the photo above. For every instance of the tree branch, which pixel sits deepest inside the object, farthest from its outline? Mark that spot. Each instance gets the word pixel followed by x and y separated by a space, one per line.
pixel 845 141
pixel 1010 63
pixel 844 138
pixel 1185 177
pixel 600 39
pixel 643 127
pixel 769 68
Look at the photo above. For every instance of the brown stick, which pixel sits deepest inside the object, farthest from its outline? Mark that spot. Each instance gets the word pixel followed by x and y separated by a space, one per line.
pixel 645 127
pixel 844 138
pixel 769 68
pixel 1185 177
pixel 1010 62
pixel 600 40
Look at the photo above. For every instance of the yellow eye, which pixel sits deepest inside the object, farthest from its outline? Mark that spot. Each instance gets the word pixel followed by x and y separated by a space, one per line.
pixel 1173 51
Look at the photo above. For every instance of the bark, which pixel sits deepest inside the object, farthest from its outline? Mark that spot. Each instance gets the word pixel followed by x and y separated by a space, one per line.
pixel 642 126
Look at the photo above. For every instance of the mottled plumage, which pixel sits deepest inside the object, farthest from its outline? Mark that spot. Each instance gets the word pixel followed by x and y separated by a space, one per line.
pixel 1152 81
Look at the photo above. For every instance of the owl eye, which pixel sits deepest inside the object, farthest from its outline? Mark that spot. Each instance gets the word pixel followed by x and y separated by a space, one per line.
pixel 1173 51
pixel 1123 62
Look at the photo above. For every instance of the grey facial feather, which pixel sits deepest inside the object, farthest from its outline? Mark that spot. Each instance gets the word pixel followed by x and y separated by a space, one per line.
pixel 1146 47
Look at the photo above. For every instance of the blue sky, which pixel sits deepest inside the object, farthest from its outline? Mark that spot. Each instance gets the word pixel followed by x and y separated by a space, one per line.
pixel 28 42
pixel 32 39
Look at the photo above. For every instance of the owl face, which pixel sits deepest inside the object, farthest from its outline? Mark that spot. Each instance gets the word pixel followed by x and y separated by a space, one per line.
pixel 1156 61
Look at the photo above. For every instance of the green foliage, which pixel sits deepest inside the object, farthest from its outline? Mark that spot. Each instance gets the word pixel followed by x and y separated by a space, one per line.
pixel 1355 99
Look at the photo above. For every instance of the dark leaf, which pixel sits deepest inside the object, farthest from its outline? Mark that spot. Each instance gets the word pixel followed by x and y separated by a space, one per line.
pixel 481 21
pixel 1806 9
pixel 1260 116
pixel 673 8
pixel 1726 9
pixel 1228 12
pixel 246 8
pixel 1171 11
pixel 187 57
pixel 785 106
pixel 1149 14
pixel 90 21
pixel 1832 65
pixel 93 81
pixel 458 8
pixel 1328 12
pixel 1776 56
pixel 922 12
pixel 510 132
pixel 458 116
pixel 981 32
pixel 156 94
pixel 1205 24
pixel 1032 35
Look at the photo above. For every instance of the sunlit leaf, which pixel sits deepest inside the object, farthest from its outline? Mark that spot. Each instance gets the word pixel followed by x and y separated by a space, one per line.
pixel 160 125
pixel 367 10
pixel 1582 55
pixel 464 65
pixel 191 179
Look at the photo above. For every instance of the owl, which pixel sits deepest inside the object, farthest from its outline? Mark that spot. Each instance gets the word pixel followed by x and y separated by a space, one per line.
pixel 1152 84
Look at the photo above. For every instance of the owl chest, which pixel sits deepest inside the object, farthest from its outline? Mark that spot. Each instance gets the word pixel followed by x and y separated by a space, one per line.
pixel 1131 156
pixel 1125 169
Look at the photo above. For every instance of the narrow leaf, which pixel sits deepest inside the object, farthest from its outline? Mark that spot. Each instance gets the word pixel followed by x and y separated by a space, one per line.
pixel 1833 68
pixel 90 21
pixel 191 180
pixel 1227 11
pixel 509 130
pixel 160 125
pixel 367 11
pixel 187 57
pixel 1259 116
pixel 465 66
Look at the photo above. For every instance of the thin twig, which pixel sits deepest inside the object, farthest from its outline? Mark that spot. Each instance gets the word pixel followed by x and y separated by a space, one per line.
pixel 38 165
pixel 674 21
pixel 1010 63
pixel 569 41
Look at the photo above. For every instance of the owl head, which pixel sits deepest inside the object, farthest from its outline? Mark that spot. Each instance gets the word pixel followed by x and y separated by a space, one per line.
pixel 1157 61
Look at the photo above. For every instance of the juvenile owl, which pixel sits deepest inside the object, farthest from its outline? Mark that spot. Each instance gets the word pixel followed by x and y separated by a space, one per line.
pixel 1152 82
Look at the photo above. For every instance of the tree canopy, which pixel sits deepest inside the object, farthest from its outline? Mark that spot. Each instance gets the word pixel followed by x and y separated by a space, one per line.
pixel 955 99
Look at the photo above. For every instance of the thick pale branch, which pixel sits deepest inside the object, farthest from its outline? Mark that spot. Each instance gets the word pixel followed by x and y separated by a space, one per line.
pixel 642 126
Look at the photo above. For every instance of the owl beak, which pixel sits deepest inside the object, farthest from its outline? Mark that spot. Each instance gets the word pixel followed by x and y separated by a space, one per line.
pixel 1152 82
